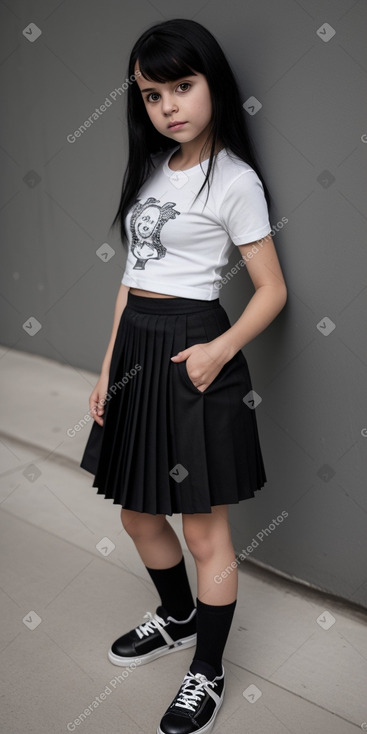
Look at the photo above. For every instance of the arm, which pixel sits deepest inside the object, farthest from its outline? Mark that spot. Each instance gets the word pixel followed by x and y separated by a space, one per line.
pixel 119 307
pixel 97 397
pixel 206 360
pixel 268 300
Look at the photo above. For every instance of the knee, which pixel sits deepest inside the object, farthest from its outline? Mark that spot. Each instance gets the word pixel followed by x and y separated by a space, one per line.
pixel 207 537
pixel 200 544
pixel 140 524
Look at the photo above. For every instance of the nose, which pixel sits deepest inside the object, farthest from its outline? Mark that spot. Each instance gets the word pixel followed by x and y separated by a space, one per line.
pixel 169 104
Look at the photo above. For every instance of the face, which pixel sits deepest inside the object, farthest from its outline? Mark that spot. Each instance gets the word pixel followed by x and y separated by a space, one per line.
pixel 186 100
pixel 146 221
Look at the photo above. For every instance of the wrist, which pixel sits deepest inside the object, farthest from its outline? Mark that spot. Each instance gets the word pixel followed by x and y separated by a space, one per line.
pixel 105 369
pixel 226 347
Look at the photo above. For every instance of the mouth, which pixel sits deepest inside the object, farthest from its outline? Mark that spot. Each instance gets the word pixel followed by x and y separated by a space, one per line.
pixel 176 125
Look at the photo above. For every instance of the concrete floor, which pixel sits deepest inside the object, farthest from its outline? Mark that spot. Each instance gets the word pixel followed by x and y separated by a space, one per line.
pixel 64 601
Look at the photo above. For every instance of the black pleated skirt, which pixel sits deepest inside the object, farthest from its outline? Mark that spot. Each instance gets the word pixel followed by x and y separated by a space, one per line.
pixel 166 447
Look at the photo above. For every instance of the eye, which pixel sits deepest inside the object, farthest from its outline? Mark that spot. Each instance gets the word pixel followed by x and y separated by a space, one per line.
pixel 156 94
pixel 152 94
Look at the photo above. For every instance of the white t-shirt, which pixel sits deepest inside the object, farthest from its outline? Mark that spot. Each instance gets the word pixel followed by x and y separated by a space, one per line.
pixel 180 248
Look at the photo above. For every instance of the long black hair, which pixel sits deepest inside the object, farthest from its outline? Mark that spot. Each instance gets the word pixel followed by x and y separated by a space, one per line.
pixel 168 51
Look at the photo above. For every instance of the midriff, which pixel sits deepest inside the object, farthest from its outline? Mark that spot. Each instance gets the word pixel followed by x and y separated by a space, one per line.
pixel 148 294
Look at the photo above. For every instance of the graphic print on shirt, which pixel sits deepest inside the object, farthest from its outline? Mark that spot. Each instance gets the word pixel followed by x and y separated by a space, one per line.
pixel 146 223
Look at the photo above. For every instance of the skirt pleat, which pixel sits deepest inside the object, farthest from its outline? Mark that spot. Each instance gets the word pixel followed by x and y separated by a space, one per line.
pixel 166 447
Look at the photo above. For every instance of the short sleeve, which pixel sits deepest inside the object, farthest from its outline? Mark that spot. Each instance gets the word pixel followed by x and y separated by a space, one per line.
pixel 244 211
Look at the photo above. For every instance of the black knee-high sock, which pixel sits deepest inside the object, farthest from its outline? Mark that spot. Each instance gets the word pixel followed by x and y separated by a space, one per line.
pixel 174 590
pixel 212 624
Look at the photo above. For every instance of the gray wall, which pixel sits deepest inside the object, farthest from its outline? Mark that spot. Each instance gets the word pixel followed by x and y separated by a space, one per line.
pixel 58 200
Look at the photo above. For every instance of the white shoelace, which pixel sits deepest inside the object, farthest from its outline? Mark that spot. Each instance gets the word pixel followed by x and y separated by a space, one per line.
pixel 192 689
pixel 147 628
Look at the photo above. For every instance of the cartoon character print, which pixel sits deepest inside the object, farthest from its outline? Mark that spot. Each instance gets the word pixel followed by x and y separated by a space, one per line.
pixel 146 223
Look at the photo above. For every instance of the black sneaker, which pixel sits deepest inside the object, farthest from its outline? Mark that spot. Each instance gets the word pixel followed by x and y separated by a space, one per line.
pixel 159 636
pixel 195 707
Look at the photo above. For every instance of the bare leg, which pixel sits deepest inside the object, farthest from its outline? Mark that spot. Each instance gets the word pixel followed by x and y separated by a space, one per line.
pixel 208 537
pixel 154 538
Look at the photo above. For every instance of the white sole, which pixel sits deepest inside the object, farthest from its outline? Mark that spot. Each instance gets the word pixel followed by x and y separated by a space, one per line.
pixel 148 657
pixel 208 727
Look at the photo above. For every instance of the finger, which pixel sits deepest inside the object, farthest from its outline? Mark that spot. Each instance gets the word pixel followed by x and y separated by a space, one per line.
pixel 98 418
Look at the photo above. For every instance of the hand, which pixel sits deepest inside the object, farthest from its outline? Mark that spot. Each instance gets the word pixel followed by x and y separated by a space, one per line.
pixel 97 399
pixel 203 362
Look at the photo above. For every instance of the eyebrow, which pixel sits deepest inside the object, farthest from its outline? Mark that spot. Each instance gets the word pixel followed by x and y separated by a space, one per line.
pixel 152 89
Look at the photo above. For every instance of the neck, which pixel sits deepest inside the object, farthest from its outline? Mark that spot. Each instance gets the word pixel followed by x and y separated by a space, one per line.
pixel 191 153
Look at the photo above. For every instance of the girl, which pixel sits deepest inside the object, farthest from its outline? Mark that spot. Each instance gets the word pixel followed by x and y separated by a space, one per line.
pixel 178 432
